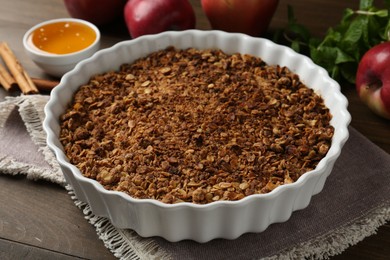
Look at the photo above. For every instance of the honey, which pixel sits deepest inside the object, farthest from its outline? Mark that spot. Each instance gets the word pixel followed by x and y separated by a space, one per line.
pixel 63 37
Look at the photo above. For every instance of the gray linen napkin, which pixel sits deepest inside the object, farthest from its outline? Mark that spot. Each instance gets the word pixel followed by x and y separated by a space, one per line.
pixel 21 136
pixel 353 204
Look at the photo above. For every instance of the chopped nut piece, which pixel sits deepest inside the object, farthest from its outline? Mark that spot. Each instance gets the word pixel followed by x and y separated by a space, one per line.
pixel 146 83
pixel 129 77
pixel 244 185
pixel 165 70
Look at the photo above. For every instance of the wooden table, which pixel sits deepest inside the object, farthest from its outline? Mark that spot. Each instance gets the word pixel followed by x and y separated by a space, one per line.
pixel 39 219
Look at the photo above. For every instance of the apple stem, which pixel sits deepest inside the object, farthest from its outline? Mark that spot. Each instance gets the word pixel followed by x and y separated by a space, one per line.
pixel 374 85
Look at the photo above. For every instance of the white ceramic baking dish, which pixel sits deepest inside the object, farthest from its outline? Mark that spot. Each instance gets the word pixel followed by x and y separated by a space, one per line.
pixel 221 219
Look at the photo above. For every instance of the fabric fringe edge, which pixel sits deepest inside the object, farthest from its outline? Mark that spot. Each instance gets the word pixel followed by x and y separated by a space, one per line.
pixel 123 243
pixel 5 110
pixel 339 240
pixel 28 110
pixel 12 167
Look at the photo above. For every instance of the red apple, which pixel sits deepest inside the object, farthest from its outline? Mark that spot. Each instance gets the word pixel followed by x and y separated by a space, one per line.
pixel 154 16
pixel 99 12
pixel 245 16
pixel 373 79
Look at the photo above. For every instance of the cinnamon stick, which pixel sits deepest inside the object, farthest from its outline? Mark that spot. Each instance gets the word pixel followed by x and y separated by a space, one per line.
pixel 44 84
pixel 4 83
pixel 6 80
pixel 24 81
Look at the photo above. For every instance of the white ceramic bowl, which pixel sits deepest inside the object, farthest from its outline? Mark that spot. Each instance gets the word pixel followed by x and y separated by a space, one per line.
pixel 58 64
pixel 222 219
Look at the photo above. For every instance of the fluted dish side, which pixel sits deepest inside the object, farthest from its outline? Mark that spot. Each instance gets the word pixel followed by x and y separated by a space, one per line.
pixel 221 219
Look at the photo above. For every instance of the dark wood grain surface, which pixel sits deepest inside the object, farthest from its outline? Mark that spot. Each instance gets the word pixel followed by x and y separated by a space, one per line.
pixel 38 220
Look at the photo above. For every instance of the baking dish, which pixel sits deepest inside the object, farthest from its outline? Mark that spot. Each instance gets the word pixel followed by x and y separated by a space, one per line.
pixel 221 219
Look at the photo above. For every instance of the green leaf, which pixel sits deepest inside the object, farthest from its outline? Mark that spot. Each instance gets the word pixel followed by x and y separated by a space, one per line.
pixel 348 14
pixel 295 45
pixel 314 42
pixel 342 47
pixel 277 36
pixel 382 13
pixel 324 56
pixel 342 57
pixel 366 36
pixel 300 32
pixel 375 31
pixel 331 38
pixel 354 37
pixel 386 32
pixel 355 30
pixel 365 4
pixel 335 73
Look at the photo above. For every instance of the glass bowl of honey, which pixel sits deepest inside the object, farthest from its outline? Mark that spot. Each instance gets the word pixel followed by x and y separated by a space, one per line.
pixel 57 45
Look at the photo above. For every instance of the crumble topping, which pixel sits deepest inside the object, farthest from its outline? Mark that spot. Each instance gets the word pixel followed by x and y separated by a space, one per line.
pixel 195 126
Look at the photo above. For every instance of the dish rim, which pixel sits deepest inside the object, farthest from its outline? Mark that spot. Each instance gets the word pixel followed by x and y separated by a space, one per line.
pixel 331 156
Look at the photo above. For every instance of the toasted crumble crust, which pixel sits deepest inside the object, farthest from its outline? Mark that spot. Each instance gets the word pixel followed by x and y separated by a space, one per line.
pixel 196 126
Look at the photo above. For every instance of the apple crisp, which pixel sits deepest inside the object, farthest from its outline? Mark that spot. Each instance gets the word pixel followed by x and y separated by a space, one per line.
pixel 195 126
